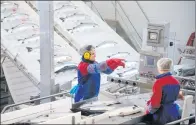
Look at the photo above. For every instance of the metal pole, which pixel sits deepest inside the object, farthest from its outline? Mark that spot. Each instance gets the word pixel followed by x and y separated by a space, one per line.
pixel 46 17
pixel 195 78
pixel 142 11
pixel 97 10
pixel 91 5
pixel 115 16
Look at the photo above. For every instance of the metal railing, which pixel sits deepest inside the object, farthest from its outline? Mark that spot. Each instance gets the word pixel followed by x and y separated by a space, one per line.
pixel 20 66
pixel 180 120
pixel 142 11
pixel 127 17
pixel 38 99
pixel 128 25
pixel 93 5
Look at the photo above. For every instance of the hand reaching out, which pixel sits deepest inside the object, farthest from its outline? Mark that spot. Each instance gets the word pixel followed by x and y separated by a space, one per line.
pixel 181 95
pixel 115 62
pixel 120 62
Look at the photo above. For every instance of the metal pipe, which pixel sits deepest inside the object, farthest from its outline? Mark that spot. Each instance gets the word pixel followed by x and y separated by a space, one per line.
pixel 97 10
pixel 181 120
pixel 6 96
pixel 186 90
pixel 142 11
pixel 128 19
pixel 3 60
pixel 12 105
pixel 195 79
pixel 46 23
pixel 115 16
pixel 138 45
pixel 91 5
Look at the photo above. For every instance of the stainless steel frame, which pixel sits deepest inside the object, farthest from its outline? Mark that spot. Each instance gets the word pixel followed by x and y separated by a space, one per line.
pixel 13 105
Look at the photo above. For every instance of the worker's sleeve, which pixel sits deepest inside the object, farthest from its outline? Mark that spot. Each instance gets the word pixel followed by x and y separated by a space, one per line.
pixel 108 71
pixel 98 68
pixel 154 103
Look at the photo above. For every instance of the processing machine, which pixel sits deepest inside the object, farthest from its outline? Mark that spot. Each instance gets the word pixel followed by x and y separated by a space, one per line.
pixel 154 47
pixel 185 72
pixel 135 90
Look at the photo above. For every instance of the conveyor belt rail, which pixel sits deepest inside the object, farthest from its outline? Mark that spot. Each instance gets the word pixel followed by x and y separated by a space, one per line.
pixel 38 99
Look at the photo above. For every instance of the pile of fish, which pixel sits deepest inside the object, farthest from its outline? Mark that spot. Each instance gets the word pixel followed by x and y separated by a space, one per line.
pixel 21 30
pixel 113 108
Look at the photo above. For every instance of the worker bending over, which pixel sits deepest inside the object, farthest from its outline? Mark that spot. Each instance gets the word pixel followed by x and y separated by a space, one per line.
pixel 89 73
pixel 166 90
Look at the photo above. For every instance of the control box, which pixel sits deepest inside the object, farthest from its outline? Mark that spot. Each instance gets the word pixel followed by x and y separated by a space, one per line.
pixel 158 34
pixel 148 64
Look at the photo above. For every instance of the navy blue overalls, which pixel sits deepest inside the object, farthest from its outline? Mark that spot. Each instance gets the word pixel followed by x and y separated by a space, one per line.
pixel 162 104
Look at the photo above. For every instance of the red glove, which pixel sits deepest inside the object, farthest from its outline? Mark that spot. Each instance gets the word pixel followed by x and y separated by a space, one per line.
pixel 120 63
pixel 114 63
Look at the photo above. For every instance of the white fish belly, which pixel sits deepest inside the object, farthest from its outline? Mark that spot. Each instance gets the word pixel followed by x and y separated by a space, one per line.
pixel 126 111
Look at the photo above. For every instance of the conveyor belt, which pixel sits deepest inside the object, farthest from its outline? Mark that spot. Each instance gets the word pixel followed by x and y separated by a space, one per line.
pixel 77 22
pixel 15 46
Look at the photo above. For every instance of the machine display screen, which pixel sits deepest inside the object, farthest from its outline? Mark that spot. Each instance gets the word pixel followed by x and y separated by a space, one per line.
pixel 150 61
pixel 153 36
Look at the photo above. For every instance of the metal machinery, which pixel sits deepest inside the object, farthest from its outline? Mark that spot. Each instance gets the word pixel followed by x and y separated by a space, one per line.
pixel 22 49
pixel 75 25
pixel 157 35
pixel 185 72
pixel 126 108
